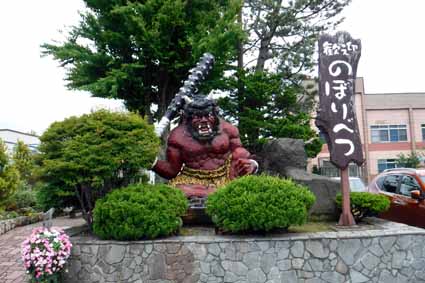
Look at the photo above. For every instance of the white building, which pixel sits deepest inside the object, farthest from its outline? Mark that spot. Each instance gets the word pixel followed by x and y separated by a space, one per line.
pixel 11 138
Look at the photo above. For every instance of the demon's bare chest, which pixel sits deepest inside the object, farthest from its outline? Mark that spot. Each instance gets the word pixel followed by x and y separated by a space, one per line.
pixel 218 148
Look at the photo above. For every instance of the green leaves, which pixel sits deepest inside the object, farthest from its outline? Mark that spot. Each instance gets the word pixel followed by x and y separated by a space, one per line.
pixel 411 160
pixel 139 211
pixel 9 176
pixel 268 96
pixel 24 161
pixel 365 204
pixel 269 107
pixel 101 150
pixel 259 203
pixel 140 51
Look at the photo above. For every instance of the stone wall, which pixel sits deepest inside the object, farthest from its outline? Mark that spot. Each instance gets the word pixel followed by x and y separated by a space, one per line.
pixel 10 224
pixel 384 252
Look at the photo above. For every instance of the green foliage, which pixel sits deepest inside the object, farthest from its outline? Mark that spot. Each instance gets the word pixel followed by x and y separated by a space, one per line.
pixel 364 204
pixel 139 211
pixel 9 176
pixel 269 109
pixel 140 51
pixel 98 148
pixel 313 146
pixel 285 32
pixel 8 215
pixel 259 203
pixel 23 159
pixel 22 198
pixel 94 154
pixel 50 195
pixel 269 96
pixel 412 160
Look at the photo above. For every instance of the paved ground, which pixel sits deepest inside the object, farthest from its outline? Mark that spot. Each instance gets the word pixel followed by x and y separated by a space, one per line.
pixel 11 267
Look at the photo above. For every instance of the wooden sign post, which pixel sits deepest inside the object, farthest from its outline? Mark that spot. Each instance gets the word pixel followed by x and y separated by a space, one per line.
pixel 336 117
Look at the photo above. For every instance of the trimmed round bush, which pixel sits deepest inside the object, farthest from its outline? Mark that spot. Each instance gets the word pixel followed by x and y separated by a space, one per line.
pixel 259 204
pixel 139 211
pixel 364 204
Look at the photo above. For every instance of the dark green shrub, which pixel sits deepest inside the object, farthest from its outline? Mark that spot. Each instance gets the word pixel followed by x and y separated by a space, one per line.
pixel 139 211
pixel 56 196
pixel 259 203
pixel 365 204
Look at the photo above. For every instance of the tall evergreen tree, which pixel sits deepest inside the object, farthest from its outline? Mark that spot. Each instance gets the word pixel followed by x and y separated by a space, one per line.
pixel 270 97
pixel 140 51
pixel 23 159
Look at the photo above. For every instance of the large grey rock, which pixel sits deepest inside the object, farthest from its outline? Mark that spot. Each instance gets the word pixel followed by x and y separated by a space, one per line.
pixel 287 158
pixel 283 153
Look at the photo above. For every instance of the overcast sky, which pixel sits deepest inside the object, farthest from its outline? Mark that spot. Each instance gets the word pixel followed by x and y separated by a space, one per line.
pixel 33 95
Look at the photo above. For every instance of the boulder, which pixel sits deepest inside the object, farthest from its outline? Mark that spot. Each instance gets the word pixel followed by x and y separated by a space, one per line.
pixel 279 154
pixel 286 157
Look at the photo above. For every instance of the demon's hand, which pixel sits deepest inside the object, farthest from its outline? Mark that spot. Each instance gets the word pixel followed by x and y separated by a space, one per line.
pixel 245 166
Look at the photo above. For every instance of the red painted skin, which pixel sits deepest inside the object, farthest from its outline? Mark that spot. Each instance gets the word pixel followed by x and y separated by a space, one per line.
pixel 211 154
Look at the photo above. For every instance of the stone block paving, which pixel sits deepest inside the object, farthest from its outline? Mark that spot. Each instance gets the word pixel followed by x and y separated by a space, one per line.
pixel 11 267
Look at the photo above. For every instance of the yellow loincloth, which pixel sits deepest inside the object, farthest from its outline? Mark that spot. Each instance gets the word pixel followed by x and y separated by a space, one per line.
pixel 217 177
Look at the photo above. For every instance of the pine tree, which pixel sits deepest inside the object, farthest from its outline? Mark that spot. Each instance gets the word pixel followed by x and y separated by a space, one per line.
pixel 23 159
pixel 141 51
pixel 269 96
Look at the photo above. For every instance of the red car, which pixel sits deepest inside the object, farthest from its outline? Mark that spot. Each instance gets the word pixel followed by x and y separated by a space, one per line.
pixel 405 187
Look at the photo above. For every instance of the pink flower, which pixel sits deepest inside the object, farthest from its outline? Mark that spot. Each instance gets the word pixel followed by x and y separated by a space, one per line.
pixel 38 254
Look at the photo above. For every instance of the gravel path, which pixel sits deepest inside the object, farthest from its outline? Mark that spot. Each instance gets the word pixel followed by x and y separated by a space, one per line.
pixel 11 267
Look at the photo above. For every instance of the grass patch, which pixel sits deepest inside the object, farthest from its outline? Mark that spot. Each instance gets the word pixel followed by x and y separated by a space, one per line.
pixel 197 231
pixel 310 227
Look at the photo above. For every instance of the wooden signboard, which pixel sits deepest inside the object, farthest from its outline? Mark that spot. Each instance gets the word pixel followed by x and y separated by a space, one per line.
pixel 336 117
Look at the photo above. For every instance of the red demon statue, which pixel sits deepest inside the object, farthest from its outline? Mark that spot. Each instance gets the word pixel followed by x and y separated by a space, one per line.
pixel 204 151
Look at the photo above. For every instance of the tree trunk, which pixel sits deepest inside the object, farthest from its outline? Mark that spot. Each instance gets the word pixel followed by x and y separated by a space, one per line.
pixel 263 55
pixel 147 107
pixel 162 104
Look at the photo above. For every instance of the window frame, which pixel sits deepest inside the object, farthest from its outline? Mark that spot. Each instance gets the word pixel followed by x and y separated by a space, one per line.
pixel 376 132
pixel 393 161
pixel 398 178
pixel 403 177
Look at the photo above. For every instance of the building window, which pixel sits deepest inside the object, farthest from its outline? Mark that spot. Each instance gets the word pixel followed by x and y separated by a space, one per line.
pixel 328 169
pixel 423 132
pixel 388 133
pixel 386 164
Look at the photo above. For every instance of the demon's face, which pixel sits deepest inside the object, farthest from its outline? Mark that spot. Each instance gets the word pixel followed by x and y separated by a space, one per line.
pixel 203 124
pixel 202 119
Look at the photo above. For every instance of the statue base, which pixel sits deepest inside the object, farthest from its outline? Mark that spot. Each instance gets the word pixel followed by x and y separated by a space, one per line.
pixel 196 216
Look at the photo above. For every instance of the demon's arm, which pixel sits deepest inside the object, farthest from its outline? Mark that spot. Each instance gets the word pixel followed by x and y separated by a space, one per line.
pixel 170 167
pixel 242 164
